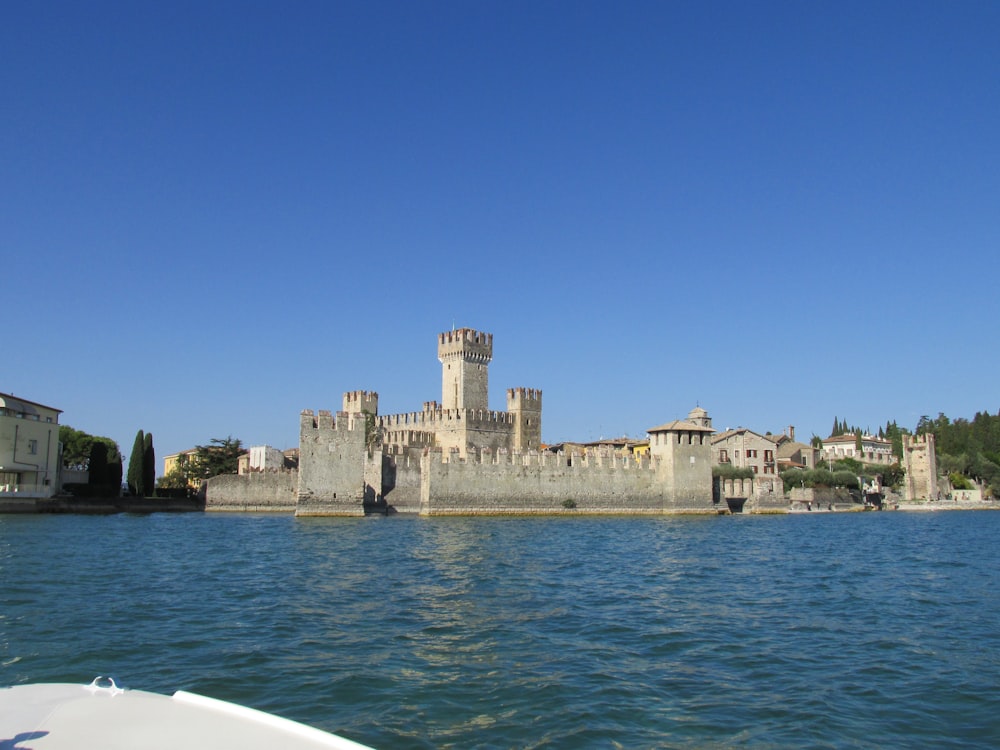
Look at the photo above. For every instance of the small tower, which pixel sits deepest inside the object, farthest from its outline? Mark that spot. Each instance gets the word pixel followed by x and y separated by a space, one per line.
pixel 356 402
pixel 699 417
pixel 525 408
pixel 465 356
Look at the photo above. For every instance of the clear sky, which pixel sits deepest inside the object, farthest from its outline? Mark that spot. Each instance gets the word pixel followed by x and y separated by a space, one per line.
pixel 214 215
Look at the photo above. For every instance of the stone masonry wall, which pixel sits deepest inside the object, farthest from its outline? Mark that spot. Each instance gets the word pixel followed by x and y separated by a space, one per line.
pixel 401 483
pixel 332 458
pixel 538 484
pixel 268 491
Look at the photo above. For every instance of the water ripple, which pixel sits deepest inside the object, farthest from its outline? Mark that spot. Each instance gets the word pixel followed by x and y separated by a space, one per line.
pixel 831 631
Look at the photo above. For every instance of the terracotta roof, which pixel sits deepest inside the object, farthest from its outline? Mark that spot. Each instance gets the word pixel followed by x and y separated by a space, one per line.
pixel 738 431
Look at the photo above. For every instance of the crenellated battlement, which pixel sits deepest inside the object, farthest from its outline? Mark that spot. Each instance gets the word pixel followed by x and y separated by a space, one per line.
pixel 591 460
pixel 529 399
pixel 466 344
pixel 324 421
pixel 361 401
pixel 914 441
pixel 432 419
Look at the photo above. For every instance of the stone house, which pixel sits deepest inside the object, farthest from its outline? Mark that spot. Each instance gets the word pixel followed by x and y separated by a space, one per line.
pixel 745 449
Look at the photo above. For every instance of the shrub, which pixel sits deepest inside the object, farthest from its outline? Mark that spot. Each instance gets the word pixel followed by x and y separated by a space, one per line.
pixel 845 479
pixel 819 478
pixel 732 472
pixel 959 481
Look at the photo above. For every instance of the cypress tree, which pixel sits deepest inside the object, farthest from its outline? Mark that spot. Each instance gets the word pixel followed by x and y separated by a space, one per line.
pixel 148 464
pixel 115 476
pixel 98 467
pixel 134 475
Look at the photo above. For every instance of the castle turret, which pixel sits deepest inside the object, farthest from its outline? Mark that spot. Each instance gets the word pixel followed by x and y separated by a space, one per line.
pixel 356 402
pixel 699 417
pixel 465 356
pixel 920 467
pixel 331 465
pixel 525 407
pixel 684 451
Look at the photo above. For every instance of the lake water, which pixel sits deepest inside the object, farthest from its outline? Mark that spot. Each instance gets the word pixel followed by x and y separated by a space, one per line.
pixel 813 630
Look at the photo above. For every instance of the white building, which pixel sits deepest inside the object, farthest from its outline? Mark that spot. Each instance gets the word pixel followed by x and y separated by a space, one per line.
pixel 30 454
pixel 261 458
pixel 874 450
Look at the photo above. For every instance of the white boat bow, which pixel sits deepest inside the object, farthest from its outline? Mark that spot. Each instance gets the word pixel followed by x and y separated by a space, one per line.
pixel 63 716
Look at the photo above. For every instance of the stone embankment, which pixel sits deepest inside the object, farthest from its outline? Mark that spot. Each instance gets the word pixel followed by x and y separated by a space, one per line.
pixel 101 505
pixel 936 505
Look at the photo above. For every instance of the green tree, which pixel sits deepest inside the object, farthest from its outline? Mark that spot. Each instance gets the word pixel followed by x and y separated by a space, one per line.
pixel 115 475
pixel 732 472
pixel 845 479
pixel 793 478
pixel 894 434
pixel 77 444
pixel 148 463
pixel 97 465
pixel 218 457
pixel 373 437
pixel 134 476
pixel 819 478
pixel 892 476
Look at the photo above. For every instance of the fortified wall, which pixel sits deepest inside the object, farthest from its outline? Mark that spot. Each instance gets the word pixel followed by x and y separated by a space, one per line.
pixel 332 464
pixel 535 483
pixel 256 492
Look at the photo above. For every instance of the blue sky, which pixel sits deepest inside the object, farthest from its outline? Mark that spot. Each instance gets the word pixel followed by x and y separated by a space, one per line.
pixel 214 215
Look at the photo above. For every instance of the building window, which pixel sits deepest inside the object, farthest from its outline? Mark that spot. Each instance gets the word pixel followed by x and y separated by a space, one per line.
pixel 33 447
pixel 768 455
pixel 751 453
pixel 754 468
pixel 723 456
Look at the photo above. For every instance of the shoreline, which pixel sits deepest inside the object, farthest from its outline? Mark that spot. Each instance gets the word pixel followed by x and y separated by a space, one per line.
pixel 94 506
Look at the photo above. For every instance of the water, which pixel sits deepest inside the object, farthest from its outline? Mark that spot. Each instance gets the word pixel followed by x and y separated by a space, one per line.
pixel 826 631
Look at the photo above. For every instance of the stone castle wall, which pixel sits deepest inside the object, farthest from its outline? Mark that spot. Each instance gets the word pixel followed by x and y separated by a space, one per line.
pixel 263 491
pixel 401 482
pixel 332 471
pixel 540 483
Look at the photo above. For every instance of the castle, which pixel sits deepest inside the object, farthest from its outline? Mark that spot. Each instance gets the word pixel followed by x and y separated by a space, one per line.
pixel 457 457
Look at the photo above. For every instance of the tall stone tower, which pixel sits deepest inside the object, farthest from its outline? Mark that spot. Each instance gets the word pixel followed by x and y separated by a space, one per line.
pixel 684 451
pixel 525 408
pixel 465 356
pixel 920 467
